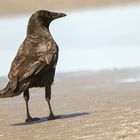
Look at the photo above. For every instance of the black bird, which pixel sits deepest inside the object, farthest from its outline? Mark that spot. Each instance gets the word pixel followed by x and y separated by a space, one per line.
pixel 35 62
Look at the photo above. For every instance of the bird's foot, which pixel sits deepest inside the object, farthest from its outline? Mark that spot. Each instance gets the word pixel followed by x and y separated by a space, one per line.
pixel 53 117
pixel 30 119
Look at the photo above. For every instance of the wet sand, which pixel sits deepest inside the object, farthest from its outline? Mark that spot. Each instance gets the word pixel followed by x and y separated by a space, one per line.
pixel 92 105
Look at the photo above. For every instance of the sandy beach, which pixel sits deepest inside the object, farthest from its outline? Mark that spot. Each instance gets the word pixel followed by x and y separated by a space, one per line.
pixel 100 105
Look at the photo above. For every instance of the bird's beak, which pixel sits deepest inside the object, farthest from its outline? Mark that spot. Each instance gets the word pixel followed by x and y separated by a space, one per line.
pixel 58 15
pixel 61 15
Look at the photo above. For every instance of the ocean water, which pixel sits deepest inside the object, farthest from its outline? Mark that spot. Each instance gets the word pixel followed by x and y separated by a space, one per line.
pixel 131 80
pixel 96 39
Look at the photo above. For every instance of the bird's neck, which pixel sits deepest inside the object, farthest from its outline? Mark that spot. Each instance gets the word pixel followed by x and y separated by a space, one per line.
pixel 39 31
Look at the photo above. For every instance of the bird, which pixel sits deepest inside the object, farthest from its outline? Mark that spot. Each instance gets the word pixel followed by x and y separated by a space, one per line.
pixel 35 62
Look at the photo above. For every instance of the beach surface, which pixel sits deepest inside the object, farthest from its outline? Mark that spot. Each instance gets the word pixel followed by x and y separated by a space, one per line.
pixel 103 105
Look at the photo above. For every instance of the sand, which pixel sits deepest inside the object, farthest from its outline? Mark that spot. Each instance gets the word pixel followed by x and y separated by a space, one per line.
pixel 92 105
pixel 11 7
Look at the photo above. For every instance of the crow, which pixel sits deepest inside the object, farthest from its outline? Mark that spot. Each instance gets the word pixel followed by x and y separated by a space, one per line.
pixel 35 61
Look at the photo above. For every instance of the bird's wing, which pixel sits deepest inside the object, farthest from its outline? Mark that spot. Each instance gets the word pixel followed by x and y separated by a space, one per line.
pixel 30 60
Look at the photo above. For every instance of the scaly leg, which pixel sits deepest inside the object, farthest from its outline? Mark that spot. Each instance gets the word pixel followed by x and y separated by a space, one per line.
pixel 48 98
pixel 27 97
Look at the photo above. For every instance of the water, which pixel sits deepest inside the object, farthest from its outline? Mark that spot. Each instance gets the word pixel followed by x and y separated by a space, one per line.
pixel 106 38
pixel 131 80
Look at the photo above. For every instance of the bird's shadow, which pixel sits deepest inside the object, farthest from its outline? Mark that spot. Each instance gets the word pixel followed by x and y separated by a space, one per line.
pixel 44 119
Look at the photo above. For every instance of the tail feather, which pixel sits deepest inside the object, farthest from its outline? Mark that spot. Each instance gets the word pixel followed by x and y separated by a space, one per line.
pixel 6 92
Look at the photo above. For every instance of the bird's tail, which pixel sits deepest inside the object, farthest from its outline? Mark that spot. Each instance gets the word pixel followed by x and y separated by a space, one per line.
pixel 6 92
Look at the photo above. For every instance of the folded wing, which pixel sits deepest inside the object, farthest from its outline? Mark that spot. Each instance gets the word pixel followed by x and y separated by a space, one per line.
pixel 31 58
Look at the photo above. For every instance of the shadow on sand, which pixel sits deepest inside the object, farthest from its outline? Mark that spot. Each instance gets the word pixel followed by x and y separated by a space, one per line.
pixel 44 119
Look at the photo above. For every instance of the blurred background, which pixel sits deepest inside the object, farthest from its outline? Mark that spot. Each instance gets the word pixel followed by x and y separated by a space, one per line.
pixel 95 35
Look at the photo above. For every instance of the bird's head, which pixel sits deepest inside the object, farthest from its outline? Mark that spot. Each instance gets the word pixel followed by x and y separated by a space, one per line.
pixel 47 16
pixel 43 18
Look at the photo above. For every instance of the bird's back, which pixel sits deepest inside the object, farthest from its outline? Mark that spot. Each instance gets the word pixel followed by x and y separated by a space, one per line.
pixel 34 63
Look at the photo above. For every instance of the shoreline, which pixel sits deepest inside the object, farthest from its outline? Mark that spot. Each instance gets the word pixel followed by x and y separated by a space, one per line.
pixel 105 74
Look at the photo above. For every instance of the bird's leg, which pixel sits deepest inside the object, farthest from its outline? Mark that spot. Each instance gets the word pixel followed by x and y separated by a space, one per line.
pixel 27 97
pixel 48 98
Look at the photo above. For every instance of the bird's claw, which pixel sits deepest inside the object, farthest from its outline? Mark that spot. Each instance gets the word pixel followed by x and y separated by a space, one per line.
pixel 32 119
pixel 52 117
